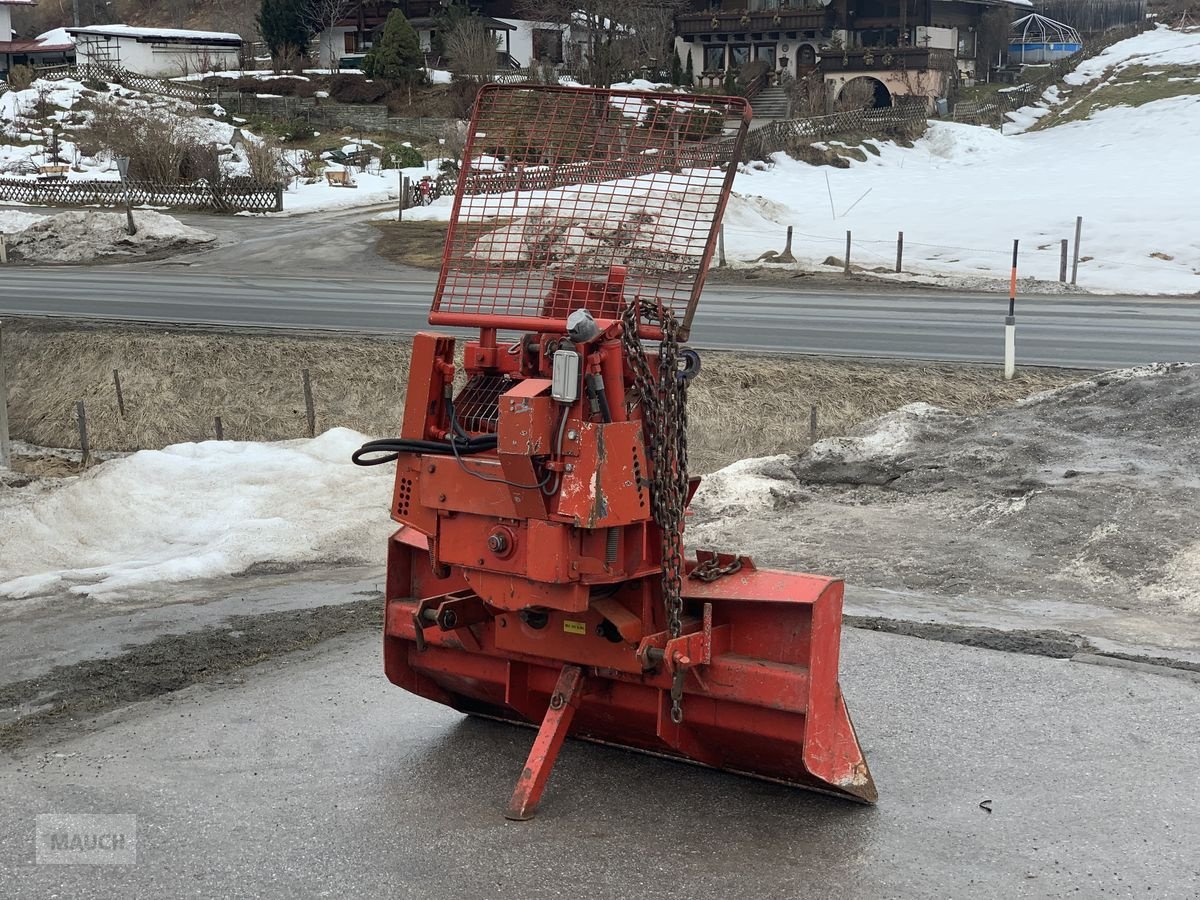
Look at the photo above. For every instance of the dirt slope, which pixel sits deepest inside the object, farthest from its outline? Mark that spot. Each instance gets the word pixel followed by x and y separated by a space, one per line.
pixel 1087 493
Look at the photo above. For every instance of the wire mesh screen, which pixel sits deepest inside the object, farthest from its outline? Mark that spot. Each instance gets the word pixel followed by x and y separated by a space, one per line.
pixel 585 198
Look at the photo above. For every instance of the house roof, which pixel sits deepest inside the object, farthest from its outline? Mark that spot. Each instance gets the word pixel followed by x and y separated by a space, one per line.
pixel 159 35
pixel 486 21
pixel 33 47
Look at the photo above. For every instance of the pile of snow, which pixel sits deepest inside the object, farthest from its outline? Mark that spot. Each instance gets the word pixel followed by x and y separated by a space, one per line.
pixel 15 220
pixel 86 236
pixel 194 511
pixel 1085 493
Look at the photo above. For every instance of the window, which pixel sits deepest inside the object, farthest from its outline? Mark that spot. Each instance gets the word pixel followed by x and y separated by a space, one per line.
pixel 966 45
pixel 739 55
pixel 766 53
pixel 547 45
pixel 350 41
pixel 714 59
pixel 806 55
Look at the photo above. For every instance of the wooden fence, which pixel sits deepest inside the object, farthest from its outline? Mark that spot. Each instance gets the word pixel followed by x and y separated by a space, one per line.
pixel 193 93
pixel 784 133
pixel 235 195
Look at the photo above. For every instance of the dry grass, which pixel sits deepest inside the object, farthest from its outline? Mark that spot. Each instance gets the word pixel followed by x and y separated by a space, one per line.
pixel 418 244
pixel 744 406
pixel 175 382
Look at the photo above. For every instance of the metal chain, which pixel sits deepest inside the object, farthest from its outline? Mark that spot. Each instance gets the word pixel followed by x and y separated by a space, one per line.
pixel 664 416
pixel 710 570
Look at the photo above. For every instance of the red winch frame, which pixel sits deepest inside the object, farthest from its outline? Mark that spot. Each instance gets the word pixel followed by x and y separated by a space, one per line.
pixel 531 578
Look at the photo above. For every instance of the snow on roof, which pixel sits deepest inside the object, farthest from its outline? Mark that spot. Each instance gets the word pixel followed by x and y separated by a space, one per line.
pixel 55 37
pixel 169 34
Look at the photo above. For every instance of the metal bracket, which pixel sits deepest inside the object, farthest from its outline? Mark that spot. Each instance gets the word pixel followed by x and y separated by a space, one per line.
pixel 449 612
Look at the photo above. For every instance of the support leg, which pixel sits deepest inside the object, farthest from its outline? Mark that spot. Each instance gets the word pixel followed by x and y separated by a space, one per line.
pixel 563 703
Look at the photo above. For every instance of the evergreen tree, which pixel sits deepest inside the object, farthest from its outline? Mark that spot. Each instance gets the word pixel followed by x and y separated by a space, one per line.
pixel 689 75
pixel 676 69
pixel 284 26
pixel 396 57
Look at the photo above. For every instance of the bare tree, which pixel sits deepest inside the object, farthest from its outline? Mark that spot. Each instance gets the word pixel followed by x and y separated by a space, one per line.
pixel 472 48
pixel 619 35
pixel 322 16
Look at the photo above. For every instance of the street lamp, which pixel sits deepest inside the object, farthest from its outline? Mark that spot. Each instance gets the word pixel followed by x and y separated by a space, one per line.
pixel 123 170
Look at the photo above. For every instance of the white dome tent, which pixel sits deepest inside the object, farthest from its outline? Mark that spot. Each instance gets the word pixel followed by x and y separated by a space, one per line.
pixel 1037 39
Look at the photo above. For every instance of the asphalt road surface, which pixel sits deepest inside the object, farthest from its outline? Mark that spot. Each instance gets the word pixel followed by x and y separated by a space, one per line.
pixel 1076 331
pixel 310 776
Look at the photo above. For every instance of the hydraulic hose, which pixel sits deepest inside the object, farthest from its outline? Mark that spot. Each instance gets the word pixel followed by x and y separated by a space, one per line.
pixel 391 448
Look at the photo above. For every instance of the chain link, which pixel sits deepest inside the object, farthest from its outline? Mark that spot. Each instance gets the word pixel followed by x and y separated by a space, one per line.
pixel 663 396
pixel 710 570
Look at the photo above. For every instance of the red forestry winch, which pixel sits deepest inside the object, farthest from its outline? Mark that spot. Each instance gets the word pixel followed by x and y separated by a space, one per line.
pixel 539 575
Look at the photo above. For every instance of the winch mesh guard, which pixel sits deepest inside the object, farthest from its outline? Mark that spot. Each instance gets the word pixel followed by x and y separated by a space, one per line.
pixel 585 197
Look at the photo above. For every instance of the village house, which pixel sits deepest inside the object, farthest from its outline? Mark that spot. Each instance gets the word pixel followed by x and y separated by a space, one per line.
pixel 157 52
pixel 520 42
pixel 912 48
pixel 52 48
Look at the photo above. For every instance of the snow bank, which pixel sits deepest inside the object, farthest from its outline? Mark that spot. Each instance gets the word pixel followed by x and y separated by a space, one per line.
pixel 85 236
pixel 194 511
pixel 14 220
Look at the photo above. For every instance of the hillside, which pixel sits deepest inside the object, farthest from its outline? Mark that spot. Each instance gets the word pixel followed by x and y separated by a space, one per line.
pixel 215 15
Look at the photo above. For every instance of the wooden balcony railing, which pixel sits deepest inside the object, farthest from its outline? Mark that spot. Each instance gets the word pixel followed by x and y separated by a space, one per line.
pixel 885 59
pixel 741 22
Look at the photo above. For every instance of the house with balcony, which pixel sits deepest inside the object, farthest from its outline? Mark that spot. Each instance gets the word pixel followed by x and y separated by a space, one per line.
pixel 911 48
pixel 520 42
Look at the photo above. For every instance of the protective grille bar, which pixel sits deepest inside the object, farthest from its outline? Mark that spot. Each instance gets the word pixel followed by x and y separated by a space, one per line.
pixel 582 197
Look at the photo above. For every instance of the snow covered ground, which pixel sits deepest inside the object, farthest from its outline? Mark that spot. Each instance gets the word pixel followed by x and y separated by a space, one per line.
pixel 193 511
pixel 1161 47
pixel 24 146
pixel 963 193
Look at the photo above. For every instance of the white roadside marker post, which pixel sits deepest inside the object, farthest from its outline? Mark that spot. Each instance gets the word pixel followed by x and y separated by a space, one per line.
pixel 1010 322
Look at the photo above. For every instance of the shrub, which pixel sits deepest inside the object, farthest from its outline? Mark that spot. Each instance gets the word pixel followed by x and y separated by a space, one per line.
pixel 298 130
pixel 398 156
pixel 752 70
pixel 265 160
pixel 20 78
pixel 356 89
pixel 162 146
pixel 692 124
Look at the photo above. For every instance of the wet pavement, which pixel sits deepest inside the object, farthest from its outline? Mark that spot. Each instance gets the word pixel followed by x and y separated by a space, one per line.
pixel 309 775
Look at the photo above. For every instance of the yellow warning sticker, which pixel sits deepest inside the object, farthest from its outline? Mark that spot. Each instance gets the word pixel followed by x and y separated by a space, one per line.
pixel 574 627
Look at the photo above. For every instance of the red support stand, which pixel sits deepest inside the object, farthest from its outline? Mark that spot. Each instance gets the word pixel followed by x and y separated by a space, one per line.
pixel 553 731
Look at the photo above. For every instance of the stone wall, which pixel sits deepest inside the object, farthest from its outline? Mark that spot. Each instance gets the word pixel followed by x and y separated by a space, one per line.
pixel 326 113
